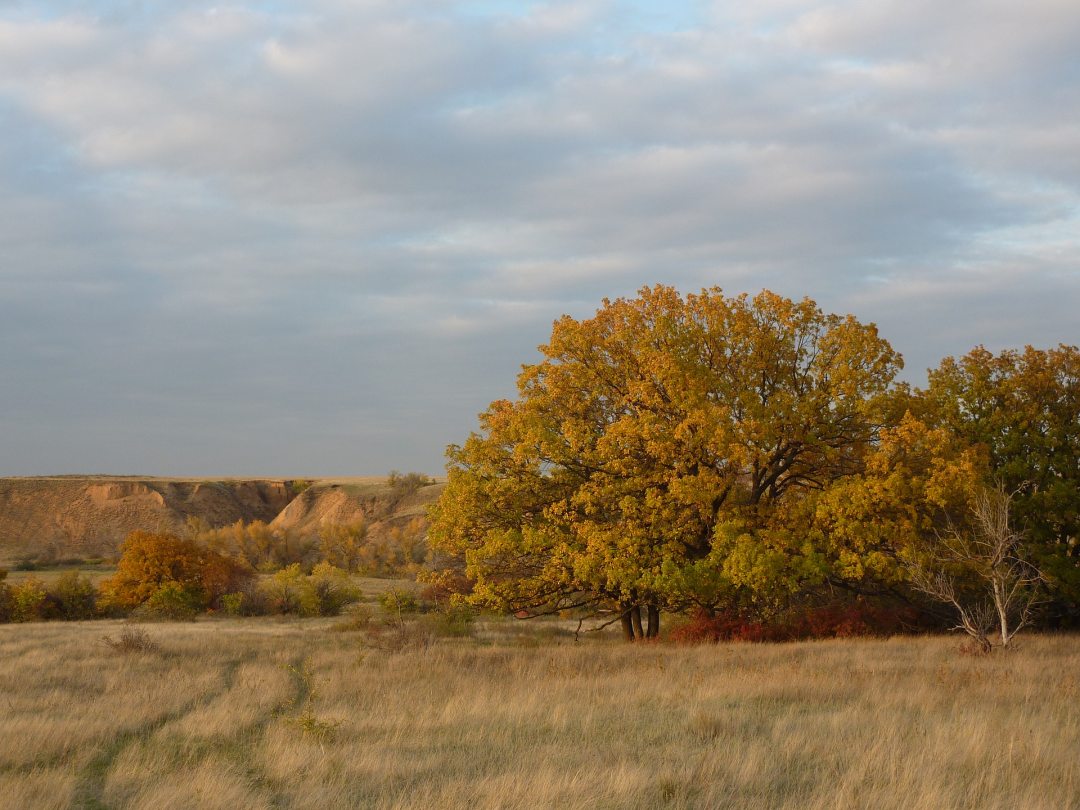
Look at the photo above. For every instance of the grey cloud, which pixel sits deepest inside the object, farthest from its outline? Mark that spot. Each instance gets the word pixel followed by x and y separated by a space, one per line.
pixel 319 237
pixel 1012 302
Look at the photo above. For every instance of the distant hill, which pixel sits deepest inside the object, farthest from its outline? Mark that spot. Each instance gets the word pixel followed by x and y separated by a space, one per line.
pixel 349 500
pixel 83 517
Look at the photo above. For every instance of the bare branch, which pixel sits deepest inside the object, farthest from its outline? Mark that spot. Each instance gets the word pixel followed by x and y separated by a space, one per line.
pixel 990 551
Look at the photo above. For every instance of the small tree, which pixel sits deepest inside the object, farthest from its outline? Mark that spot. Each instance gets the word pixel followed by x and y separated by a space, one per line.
pixel 342 544
pixel 982 573
pixel 283 590
pixel 150 561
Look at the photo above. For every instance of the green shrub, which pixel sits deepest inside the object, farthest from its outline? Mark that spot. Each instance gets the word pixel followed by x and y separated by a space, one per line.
pixel 405 484
pixel 324 593
pixel 398 601
pixel 73 597
pixel 456 621
pixel 299 485
pixel 327 591
pixel 172 601
pixel 28 600
pixel 233 603
pixel 282 590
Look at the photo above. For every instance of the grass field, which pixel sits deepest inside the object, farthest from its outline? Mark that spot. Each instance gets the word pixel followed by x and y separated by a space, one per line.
pixel 270 713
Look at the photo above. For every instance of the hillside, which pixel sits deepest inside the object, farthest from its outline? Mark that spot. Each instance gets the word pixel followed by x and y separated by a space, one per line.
pixel 348 500
pixel 81 517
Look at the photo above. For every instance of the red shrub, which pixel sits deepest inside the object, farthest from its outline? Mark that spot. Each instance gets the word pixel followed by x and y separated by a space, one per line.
pixel 846 620
pixel 726 626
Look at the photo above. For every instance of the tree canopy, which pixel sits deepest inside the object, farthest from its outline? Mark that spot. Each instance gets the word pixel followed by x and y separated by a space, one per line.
pixel 661 452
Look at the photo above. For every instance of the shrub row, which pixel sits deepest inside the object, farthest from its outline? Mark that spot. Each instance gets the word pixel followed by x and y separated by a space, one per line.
pixel 844 620
pixel 70 596
pixel 161 576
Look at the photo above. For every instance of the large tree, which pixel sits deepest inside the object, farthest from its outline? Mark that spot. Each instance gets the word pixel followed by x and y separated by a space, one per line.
pixel 652 436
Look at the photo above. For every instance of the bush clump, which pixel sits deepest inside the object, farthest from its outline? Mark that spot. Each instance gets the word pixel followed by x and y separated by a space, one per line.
pixel 172 601
pixel 326 591
pixel 398 601
pixel 189 576
pixel 28 600
pixel 72 597
pixel 847 620
pixel 322 593
pixel 7 602
pixel 454 621
pixel 232 604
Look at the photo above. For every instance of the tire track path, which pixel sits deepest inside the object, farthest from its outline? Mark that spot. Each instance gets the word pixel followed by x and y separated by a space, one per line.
pixel 90 787
pixel 258 776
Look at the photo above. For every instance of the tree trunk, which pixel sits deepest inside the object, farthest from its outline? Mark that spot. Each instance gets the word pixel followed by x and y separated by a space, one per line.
pixel 627 624
pixel 653 629
pixel 1001 603
pixel 635 620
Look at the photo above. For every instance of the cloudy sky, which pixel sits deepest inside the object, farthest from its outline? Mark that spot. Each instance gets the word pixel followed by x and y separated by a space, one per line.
pixel 317 237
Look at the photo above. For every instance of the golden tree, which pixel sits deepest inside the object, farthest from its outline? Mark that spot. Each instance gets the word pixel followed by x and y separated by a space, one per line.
pixel 151 561
pixel 342 544
pixel 646 433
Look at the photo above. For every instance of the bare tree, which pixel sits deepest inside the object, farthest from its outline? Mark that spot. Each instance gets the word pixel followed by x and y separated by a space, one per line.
pixel 982 573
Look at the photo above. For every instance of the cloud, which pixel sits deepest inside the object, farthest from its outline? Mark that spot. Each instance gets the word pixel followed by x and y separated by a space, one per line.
pixel 234 233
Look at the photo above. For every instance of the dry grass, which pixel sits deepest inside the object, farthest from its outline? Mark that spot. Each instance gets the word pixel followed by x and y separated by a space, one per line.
pixel 263 713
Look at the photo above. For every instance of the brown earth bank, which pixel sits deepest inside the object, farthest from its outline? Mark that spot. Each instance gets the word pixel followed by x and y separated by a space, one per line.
pixel 52 519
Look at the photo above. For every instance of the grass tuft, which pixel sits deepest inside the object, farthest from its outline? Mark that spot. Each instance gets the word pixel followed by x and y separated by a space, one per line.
pixel 131 640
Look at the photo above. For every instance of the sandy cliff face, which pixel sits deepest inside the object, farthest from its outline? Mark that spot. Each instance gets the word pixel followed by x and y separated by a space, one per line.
pixel 87 517
pixel 373 501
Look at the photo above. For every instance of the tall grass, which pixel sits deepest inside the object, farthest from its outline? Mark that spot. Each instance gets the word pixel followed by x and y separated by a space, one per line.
pixel 263 713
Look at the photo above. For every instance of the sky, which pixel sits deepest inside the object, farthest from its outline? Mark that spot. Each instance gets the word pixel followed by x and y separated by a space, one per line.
pixel 319 237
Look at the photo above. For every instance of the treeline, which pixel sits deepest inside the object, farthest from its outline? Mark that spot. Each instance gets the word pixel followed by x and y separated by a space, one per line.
pixel 375 549
pixel 71 596
pixel 754 463
pixel 243 569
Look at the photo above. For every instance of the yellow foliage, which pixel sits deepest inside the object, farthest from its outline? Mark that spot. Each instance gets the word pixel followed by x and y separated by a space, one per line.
pixel 647 427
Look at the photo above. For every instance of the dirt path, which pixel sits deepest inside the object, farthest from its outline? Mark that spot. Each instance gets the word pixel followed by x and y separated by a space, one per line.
pixel 90 789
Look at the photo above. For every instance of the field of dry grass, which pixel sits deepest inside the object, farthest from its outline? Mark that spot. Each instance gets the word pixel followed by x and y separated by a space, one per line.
pixel 293 714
